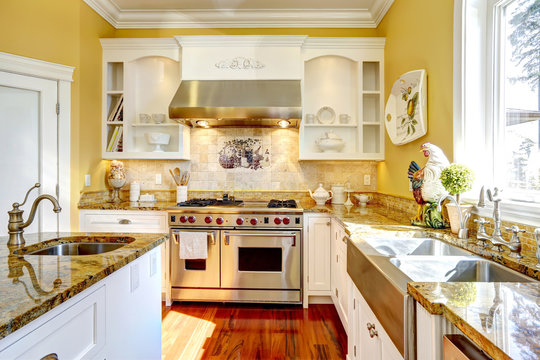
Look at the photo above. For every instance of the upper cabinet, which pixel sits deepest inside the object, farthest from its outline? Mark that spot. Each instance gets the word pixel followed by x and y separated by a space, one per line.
pixel 140 77
pixel 342 99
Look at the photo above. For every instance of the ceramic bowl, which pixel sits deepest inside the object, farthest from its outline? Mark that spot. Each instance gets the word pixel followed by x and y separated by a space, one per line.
pixel 330 144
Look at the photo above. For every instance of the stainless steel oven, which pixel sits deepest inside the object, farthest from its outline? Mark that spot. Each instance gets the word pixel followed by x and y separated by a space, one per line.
pixel 254 255
pixel 202 273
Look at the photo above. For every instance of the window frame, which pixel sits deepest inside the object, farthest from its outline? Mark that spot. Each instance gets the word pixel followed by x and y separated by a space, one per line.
pixel 479 94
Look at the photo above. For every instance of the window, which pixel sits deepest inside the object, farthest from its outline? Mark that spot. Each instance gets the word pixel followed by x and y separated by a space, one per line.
pixel 497 99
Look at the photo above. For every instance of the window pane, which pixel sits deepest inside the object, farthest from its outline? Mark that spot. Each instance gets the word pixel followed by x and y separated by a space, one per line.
pixel 522 100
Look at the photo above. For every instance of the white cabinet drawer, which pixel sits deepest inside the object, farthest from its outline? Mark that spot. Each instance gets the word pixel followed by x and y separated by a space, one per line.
pixel 124 221
pixel 76 333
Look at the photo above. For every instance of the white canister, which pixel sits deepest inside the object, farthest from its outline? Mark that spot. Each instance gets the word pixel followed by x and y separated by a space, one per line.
pixel 338 194
pixel 181 194
pixel 134 191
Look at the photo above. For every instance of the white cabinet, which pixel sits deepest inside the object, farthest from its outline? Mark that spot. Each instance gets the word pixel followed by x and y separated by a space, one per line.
pixel 367 339
pixel 318 259
pixel 343 83
pixel 339 270
pixel 124 221
pixel 140 76
pixel 117 318
pixel 77 331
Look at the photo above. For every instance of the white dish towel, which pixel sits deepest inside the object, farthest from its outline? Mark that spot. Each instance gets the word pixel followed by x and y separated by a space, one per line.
pixel 193 245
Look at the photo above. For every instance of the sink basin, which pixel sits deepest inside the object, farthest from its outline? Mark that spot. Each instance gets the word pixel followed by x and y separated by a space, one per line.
pixel 77 245
pixel 415 246
pixel 78 249
pixel 455 269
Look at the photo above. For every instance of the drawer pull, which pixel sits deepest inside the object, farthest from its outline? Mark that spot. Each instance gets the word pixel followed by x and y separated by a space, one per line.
pixel 345 239
pixel 124 221
pixel 51 356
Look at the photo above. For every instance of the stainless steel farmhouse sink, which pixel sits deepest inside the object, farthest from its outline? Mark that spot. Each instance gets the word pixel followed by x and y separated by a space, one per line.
pixel 381 268
pixel 76 246
pixel 455 269
pixel 415 246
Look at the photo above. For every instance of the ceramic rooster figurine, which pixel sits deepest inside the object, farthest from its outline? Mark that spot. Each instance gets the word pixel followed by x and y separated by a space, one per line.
pixel 427 188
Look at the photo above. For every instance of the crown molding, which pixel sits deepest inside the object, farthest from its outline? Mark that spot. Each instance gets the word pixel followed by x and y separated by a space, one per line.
pixel 139 43
pixel 240 18
pixel 344 43
pixel 241 40
pixel 32 67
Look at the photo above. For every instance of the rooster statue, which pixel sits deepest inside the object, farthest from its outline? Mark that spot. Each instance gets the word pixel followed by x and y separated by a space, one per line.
pixel 427 188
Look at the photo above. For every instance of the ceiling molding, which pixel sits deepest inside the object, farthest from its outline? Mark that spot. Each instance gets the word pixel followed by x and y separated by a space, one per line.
pixel 32 67
pixel 139 43
pixel 240 18
pixel 241 40
pixel 344 43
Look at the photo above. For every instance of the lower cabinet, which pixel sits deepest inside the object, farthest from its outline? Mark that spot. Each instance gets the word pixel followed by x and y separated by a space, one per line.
pixel 130 221
pixel 318 255
pixel 339 275
pixel 117 318
pixel 367 339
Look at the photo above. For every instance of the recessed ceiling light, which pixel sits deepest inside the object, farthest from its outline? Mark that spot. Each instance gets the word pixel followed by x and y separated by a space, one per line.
pixel 284 123
pixel 202 123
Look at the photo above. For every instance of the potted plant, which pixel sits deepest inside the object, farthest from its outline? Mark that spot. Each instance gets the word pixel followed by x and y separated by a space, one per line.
pixel 457 179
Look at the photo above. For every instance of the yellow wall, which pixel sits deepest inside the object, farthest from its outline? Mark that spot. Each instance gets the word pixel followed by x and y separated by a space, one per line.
pixel 64 32
pixel 418 36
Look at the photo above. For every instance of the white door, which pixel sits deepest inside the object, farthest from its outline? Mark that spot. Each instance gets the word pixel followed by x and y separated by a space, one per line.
pixel 28 147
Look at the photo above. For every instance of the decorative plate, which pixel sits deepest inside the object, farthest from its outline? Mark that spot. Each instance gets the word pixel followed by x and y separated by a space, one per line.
pixel 405 113
pixel 326 115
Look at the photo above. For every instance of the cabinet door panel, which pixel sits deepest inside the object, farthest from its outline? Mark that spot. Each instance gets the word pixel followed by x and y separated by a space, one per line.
pixel 319 247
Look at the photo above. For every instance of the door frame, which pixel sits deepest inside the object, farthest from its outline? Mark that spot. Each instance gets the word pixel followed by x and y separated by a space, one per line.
pixel 63 75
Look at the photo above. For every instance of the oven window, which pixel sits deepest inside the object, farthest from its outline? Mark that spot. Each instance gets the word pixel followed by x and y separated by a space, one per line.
pixel 195 264
pixel 259 259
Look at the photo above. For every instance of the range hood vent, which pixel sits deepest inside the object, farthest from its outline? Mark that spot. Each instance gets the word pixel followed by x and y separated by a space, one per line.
pixel 238 103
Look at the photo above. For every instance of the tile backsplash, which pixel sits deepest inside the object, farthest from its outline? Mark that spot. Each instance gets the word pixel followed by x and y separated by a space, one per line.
pixel 251 159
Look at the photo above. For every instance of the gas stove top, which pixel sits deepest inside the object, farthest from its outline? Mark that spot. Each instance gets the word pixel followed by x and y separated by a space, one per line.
pixel 229 212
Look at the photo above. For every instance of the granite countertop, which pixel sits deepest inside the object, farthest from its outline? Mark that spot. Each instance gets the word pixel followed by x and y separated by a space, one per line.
pixel 31 285
pixel 126 205
pixel 503 319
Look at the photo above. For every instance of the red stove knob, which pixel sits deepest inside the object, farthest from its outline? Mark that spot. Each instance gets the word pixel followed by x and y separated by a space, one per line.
pixel 253 221
pixel 277 221
pixel 183 218
pixel 239 221
pixel 219 220
pixel 286 221
pixel 208 219
pixel 192 219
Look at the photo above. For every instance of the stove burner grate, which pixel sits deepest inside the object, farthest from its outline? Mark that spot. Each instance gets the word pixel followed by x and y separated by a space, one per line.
pixel 291 204
pixel 210 202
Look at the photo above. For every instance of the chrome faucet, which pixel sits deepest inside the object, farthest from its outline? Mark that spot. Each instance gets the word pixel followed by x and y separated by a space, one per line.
pixel 463 231
pixel 496 239
pixel 16 223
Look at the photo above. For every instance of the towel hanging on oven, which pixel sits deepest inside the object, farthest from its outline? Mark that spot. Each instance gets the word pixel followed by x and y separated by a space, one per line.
pixel 193 245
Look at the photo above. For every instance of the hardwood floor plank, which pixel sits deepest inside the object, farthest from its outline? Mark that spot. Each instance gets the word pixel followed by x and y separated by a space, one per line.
pixel 251 331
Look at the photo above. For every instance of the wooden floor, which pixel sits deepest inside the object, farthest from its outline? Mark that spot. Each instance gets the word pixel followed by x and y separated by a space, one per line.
pixel 251 331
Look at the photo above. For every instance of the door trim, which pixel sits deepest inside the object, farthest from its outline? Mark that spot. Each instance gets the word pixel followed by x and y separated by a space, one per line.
pixel 63 75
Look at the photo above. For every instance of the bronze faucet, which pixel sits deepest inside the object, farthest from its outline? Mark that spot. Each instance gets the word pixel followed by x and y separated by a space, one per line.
pixel 16 223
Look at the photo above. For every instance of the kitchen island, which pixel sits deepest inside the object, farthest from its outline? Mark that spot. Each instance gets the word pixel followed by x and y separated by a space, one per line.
pixel 37 289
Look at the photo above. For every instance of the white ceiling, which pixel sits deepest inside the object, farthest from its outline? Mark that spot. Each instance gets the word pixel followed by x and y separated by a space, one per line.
pixel 241 13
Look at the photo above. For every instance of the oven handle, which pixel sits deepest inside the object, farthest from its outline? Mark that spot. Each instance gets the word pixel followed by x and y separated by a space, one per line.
pixel 293 235
pixel 211 237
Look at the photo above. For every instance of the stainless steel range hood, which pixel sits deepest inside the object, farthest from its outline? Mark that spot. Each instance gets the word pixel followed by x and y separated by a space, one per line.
pixel 237 103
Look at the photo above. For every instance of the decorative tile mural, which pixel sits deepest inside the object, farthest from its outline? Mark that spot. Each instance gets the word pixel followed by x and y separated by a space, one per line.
pixel 245 153
pixel 279 170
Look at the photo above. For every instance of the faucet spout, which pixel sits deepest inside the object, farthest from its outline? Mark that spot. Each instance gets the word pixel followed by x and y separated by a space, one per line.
pixel 33 210
pixel 16 223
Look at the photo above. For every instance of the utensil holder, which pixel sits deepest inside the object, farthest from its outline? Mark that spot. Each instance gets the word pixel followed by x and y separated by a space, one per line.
pixel 181 194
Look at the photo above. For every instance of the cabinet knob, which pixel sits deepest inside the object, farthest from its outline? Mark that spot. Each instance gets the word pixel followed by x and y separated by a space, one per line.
pixel 124 221
pixel 370 326
pixel 51 356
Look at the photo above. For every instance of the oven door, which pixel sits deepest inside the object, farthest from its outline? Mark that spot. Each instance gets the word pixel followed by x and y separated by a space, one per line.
pixel 199 273
pixel 262 259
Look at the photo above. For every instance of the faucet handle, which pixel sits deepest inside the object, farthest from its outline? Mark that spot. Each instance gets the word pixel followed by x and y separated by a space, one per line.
pixel 16 205
pixel 515 233
pixel 481 221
